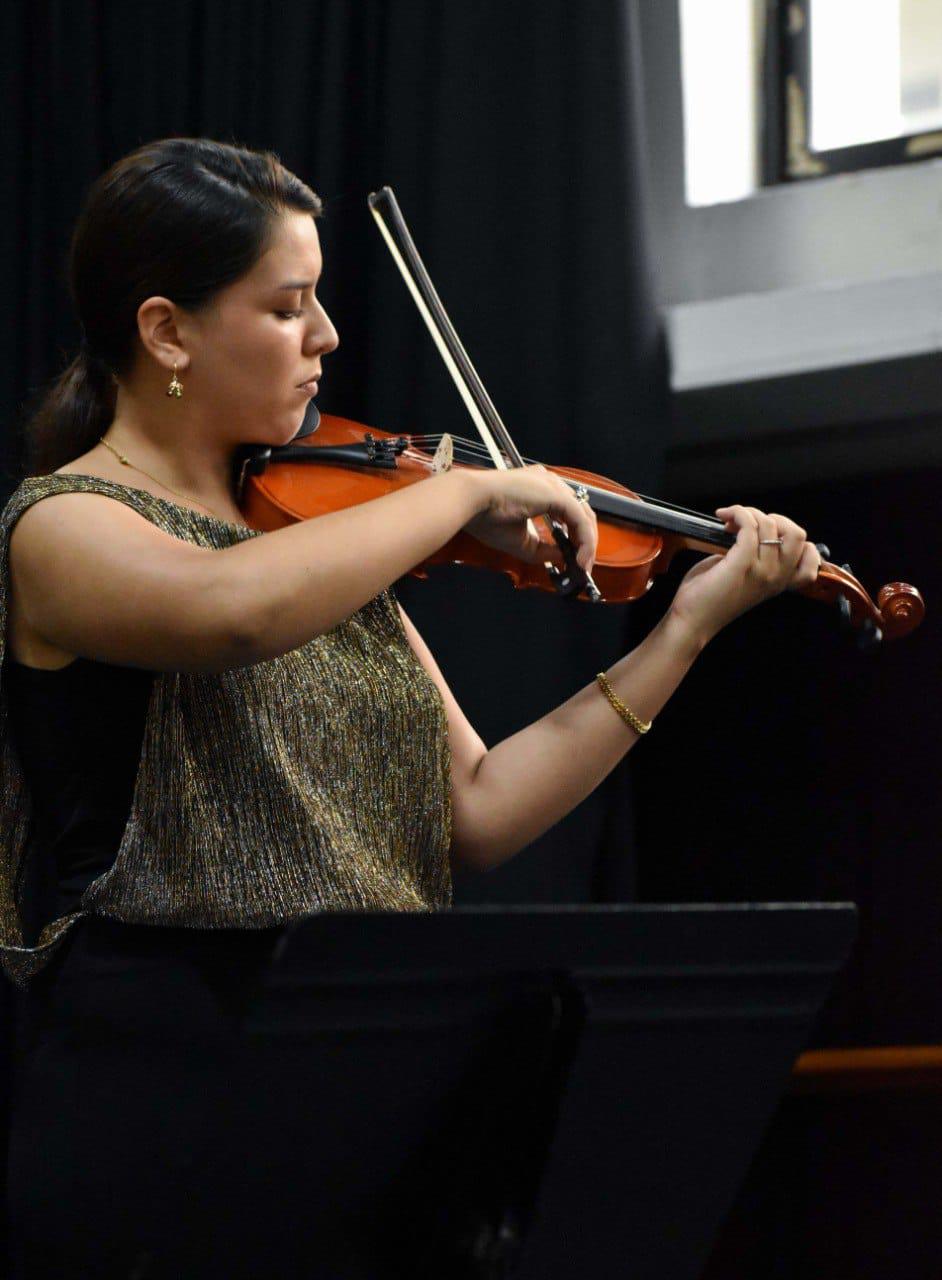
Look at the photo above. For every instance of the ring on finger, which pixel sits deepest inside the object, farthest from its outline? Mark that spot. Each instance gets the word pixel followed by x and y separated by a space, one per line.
pixel 581 493
pixel 771 542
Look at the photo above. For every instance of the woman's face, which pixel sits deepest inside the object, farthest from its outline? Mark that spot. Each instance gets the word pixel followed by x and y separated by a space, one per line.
pixel 261 337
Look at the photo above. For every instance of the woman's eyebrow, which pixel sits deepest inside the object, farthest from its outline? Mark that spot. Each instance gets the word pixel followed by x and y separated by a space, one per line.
pixel 295 284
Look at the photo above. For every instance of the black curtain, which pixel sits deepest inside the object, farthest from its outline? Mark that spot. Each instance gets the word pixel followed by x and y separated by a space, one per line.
pixel 509 134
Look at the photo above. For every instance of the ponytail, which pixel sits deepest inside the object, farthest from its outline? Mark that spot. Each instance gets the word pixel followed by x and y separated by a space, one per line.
pixel 73 414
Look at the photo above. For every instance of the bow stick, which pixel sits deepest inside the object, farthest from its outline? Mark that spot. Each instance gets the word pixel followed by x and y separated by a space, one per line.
pixel 383 204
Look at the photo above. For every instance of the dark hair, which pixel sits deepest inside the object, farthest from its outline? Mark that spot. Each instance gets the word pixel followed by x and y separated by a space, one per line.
pixel 178 217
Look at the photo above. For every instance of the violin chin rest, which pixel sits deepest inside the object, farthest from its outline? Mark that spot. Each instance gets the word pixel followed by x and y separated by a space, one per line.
pixel 312 420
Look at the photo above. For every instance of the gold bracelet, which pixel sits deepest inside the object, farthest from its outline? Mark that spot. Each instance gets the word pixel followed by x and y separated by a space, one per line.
pixel 629 717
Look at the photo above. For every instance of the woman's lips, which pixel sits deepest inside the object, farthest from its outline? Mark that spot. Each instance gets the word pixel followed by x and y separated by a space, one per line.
pixel 309 388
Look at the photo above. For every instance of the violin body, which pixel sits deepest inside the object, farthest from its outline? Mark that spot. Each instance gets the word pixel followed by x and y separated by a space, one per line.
pixel 297 490
pixel 337 463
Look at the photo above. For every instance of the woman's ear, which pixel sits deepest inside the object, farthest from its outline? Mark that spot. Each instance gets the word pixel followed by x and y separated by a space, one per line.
pixel 159 327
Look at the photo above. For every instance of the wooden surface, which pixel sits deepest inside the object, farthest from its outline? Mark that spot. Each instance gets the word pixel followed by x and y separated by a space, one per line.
pixel 863 1070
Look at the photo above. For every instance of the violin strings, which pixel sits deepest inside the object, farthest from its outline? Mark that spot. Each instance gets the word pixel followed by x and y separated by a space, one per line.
pixel 479 453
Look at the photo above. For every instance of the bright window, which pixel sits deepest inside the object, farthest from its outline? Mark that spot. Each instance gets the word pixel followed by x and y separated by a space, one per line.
pixel 719 68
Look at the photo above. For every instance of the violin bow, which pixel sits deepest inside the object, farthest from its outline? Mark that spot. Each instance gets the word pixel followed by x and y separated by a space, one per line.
pixel 571 579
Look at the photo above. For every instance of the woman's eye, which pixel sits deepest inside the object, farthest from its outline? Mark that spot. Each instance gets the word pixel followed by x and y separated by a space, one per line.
pixel 288 315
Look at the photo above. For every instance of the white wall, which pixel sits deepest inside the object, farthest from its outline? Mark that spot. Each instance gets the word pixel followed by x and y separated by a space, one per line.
pixel 809 307
pixel 848 227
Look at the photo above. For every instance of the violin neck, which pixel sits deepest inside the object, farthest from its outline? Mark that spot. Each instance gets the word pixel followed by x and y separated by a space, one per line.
pixel 698 533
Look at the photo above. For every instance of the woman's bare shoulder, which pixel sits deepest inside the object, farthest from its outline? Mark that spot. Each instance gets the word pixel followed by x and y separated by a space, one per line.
pixel 24 644
pixel 91 577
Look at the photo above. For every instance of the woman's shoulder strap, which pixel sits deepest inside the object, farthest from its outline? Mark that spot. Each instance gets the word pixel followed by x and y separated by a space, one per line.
pixel 34 488
pixel 171 517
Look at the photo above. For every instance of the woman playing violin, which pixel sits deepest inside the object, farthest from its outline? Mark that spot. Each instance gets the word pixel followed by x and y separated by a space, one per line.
pixel 242 356
pixel 218 724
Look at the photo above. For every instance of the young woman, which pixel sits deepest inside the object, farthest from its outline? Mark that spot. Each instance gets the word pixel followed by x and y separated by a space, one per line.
pixel 216 731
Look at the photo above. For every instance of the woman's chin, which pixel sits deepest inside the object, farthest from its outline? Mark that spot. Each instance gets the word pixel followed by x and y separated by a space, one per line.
pixel 278 431
pixel 297 422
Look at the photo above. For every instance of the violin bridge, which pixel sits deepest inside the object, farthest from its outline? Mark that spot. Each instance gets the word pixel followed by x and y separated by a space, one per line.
pixel 444 455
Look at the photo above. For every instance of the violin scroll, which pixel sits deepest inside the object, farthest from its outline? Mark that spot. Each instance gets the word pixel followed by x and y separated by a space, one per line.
pixel 898 610
pixel 902 608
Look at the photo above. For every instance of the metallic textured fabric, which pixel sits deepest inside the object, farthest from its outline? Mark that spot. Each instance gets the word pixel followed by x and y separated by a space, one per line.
pixel 316 781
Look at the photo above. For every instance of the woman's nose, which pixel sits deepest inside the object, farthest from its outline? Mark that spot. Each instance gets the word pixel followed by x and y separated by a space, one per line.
pixel 324 336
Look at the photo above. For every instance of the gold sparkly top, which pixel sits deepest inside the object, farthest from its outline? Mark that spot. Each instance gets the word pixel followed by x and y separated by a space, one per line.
pixel 319 780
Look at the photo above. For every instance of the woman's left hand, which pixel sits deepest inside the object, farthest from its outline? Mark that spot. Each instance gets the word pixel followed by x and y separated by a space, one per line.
pixel 720 588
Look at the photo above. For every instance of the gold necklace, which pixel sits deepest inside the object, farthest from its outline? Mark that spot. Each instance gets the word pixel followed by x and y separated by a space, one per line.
pixel 126 462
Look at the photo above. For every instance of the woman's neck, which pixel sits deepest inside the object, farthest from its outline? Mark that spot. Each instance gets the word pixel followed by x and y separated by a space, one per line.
pixel 201 471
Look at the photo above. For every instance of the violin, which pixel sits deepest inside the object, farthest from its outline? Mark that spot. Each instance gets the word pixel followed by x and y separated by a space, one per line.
pixel 341 463
pixel 334 463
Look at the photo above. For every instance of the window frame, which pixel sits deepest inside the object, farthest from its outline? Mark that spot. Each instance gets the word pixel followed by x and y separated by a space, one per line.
pixel 787 155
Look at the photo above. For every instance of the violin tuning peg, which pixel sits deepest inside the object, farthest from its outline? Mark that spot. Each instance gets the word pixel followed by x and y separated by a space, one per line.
pixel 847 568
pixel 870 636
pixel 843 608
pixel 823 550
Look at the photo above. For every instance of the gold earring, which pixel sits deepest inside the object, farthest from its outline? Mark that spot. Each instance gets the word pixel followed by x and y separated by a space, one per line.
pixel 176 387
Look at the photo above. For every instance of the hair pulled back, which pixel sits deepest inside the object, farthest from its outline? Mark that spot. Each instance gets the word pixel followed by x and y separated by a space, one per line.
pixel 178 217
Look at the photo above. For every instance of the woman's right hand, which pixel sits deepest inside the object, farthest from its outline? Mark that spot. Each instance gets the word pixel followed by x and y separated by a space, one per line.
pixel 507 500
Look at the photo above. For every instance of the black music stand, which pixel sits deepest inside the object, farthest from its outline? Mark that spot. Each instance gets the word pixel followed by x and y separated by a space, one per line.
pixel 536 1092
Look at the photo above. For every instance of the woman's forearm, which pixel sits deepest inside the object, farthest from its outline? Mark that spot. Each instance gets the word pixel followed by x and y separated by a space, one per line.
pixel 300 581
pixel 532 779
